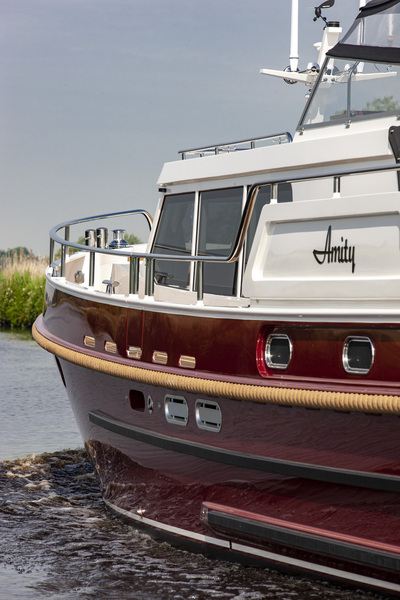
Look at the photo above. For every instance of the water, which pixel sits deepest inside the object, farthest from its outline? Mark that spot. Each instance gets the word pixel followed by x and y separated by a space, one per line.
pixel 35 413
pixel 57 540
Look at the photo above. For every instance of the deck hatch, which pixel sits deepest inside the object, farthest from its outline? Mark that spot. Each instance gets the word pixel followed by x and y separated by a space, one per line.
pixel 176 410
pixel 358 355
pixel 208 415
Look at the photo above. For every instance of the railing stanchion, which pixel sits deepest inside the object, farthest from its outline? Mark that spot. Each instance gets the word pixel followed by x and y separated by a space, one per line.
pixel 51 253
pixel 200 280
pixel 149 276
pixel 91 268
pixel 134 275
pixel 63 251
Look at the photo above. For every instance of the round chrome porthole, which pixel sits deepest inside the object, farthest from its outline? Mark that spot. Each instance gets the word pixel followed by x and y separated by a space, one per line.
pixel 358 355
pixel 278 351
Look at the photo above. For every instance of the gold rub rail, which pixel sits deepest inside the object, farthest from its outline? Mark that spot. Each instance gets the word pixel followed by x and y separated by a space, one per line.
pixel 341 401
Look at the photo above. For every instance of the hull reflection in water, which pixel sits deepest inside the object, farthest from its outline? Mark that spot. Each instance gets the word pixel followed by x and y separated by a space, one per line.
pixel 57 542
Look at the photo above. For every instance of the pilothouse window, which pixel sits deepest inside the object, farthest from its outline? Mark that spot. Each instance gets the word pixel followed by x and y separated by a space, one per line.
pixel 220 213
pixel 174 236
pixel 349 89
pixel 218 223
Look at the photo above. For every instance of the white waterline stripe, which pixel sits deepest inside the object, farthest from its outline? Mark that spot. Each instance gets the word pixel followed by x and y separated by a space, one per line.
pixel 277 558
pixel 171 529
pixel 321 569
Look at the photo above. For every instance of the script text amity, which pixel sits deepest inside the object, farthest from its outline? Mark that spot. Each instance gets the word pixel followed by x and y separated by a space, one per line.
pixel 336 254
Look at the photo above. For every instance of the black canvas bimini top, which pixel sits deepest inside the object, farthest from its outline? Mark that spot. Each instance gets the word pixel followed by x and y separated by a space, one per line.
pixel 374 35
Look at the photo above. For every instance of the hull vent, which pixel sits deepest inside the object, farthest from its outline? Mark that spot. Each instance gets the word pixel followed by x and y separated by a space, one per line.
pixel 208 415
pixel 176 410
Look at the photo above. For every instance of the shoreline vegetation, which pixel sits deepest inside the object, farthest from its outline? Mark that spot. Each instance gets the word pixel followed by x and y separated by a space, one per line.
pixel 22 283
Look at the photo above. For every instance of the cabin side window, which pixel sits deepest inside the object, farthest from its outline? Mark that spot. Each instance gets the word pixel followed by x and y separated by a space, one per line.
pixel 264 197
pixel 219 219
pixel 174 236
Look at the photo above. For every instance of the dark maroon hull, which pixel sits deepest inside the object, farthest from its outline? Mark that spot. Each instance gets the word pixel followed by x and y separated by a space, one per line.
pixel 311 490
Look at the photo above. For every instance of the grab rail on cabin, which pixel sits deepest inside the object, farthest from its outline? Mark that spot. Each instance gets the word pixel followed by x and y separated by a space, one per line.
pixel 280 138
pixel 150 258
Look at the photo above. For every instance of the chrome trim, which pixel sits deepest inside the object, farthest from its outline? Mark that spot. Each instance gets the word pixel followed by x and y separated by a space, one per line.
pixel 176 410
pixel 140 518
pixel 161 358
pixel 267 351
pixel 110 347
pixel 345 357
pixel 188 362
pixel 229 146
pixel 110 284
pixel 89 341
pixel 272 557
pixel 208 415
pixel 151 257
pixel 134 352
pixel 330 571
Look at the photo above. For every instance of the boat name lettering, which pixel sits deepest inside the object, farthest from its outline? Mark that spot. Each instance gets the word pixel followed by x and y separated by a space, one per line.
pixel 336 254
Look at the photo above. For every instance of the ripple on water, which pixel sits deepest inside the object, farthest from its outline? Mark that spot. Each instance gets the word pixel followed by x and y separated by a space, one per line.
pixel 57 541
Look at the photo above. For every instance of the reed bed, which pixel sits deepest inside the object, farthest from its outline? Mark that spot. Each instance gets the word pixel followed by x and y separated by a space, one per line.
pixel 22 284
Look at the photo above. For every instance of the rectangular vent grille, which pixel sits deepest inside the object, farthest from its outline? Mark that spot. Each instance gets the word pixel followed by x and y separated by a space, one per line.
pixel 176 410
pixel 208 415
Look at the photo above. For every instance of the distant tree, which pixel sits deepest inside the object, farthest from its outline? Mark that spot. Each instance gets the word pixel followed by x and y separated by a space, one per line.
pixel 18 251
pixel 132 239
pixel 80 240
pixel 385 104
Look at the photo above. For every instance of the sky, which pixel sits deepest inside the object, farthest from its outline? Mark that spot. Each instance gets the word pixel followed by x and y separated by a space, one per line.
pixel 95 95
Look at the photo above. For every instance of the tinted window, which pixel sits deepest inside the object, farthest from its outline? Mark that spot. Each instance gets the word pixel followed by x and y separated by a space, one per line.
pixel 220 213
pixel 174 236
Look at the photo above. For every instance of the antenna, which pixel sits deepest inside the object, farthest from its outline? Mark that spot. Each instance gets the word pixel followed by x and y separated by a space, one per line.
pixel 318 9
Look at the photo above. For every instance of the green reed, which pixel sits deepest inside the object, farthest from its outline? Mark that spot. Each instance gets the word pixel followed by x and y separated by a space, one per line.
pixel 21 291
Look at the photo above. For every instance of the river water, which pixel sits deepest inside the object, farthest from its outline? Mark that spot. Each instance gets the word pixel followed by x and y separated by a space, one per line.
pixel 57 540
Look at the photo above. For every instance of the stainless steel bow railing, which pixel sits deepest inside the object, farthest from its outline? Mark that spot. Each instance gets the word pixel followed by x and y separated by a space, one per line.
pixel 150 258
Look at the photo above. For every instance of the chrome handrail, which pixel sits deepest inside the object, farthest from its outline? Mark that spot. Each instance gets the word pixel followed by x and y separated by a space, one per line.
pixel 216 148
pixel 151 257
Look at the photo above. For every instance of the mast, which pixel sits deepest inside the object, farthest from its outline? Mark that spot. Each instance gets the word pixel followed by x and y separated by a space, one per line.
pixel 294 37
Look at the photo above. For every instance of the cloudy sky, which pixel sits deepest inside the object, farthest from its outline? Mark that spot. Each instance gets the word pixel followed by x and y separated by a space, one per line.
pixel 96 94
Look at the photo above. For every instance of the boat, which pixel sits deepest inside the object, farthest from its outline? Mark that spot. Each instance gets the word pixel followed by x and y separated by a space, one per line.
pixel 235 377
